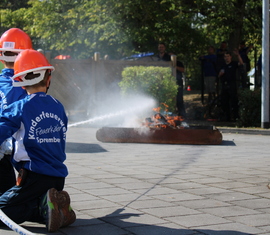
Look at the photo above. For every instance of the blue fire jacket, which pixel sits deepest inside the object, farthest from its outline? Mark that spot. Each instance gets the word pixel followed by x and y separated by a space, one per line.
pixel 8 93
pixel 39 124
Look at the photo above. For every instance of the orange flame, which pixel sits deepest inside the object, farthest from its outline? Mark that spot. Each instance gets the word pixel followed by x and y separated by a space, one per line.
pixel 160 121
pixel 165 107
pixel 157 110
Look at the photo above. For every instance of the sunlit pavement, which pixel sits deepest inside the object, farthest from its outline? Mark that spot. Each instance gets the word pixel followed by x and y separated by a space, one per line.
pixel 166 189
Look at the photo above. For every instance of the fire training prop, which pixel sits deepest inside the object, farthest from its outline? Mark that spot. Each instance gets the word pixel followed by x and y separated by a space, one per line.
pixel 191 135
pixel 161 129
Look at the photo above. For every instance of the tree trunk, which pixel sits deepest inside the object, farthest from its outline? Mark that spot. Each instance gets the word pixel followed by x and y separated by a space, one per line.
pixel 236 36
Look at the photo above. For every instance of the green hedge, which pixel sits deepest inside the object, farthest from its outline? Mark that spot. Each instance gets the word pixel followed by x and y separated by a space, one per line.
pixel 249 108
pixel 153 81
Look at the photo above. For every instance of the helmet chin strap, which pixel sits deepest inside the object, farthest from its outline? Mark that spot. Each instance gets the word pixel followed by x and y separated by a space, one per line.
pixel 48 87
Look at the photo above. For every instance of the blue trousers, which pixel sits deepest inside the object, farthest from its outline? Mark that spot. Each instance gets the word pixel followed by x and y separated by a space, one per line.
pixel 21 203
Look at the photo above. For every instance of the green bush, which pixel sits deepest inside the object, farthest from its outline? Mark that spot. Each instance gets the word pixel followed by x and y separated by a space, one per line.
pixel 153 81
pixel 249 108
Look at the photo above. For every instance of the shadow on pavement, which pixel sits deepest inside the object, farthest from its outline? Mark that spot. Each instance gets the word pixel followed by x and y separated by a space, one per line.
pixel 83 148
pixel 115 224
pixel 118 219
pixel 228 143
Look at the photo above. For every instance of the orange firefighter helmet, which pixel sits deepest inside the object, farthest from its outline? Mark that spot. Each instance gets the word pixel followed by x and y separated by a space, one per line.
pixel 30 61
pixel 14 40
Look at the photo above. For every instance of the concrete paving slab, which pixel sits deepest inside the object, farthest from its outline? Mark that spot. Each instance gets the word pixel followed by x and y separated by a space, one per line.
pixel 265 210
pixel 203 203
pixel 255 179
pixel 138 204
pixel 181 196
pixel 230 211
pixel 229 228
pixel 170 228
pixel 210 180
pixel 266 195
pixel 252 189
pixel 256 203
pixel 264 228
pixel 232 185
pixel 163 212
pixel 124 189
pixel 135 185
pixel 233 196
pixel 186 185
pixel 252 220
pixel 93 185
pixel 107 191
pixel 206 190
pixel 191 221
pixel 125 198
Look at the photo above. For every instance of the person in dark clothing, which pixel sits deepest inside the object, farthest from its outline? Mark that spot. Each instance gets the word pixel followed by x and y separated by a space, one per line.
pixel 220 54
pixel 162 54
pixel 227 77
pixel 209 66
pixel 180 69
pixel 243 51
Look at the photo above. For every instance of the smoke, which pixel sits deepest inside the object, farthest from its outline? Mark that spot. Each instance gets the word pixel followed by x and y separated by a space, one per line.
pixel 117 111
pixel 142 130
pixel 90 94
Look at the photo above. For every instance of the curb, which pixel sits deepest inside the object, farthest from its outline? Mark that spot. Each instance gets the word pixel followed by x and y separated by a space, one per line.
pixel 244 131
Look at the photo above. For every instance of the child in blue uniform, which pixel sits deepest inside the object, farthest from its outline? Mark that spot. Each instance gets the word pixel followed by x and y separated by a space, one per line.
pixel 39 124
pixel 12 42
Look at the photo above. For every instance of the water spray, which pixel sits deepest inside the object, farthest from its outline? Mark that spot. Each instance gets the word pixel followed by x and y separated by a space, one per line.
pixel 132 109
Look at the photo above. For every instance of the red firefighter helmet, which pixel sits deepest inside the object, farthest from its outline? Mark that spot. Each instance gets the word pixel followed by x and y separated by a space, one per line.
pixel 14 40
pixel 30 61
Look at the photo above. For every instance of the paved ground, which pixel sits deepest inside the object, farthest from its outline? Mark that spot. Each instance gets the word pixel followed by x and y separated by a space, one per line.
pixel 119 189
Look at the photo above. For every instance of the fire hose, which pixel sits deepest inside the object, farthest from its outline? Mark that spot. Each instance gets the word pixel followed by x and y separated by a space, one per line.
pixel 12 225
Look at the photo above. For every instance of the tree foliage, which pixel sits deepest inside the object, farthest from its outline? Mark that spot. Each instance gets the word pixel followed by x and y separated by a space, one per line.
pixel 13 4
pixel 121 27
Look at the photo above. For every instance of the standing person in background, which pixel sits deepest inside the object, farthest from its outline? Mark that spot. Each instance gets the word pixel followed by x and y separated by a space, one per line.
pixel 243 51
pixel 180 69
pixel 12 42
pixel 227 76
pixel 162 54
pixel 220 55
pixel 210 72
